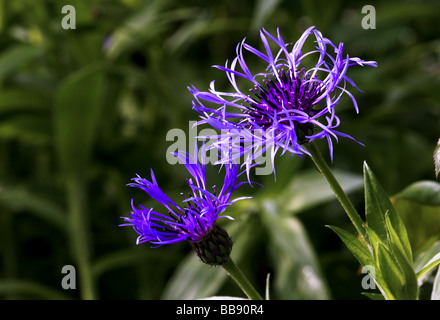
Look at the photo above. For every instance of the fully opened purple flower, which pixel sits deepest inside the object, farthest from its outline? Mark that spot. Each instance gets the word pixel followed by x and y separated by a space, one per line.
pixel 289 103
pixel 194 219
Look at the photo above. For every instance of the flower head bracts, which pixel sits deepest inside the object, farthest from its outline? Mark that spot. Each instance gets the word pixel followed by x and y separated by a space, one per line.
pixel 194 217
pixel 288 104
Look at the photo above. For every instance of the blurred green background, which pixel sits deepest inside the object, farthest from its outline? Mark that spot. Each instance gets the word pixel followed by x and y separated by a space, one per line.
pixel 83 110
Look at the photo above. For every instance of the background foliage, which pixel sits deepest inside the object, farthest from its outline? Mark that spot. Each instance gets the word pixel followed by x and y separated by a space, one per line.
pixel 82 111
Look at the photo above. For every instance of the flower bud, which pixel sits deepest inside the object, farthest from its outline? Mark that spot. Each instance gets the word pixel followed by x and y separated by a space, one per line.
pixel 215 247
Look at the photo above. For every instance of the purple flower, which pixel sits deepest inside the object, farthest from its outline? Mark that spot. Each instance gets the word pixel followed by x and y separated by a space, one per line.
pixel 289 103
pixel 190 220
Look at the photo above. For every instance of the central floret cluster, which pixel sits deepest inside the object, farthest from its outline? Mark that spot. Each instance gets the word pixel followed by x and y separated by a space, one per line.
pixel 274 97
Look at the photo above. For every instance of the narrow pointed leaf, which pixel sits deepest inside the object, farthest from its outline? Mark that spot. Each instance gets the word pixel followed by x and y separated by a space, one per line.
pixel 377 204
pixel 411 284
pixel 297 272
pixel 362 254
pixel 433 263
pixel 77 113
pixel 424 257
pixel 392 274
pixel 374 241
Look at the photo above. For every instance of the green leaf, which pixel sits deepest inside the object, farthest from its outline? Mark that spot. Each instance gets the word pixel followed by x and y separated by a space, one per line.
pixel 417 207
pixel 223 298
pixel 193 280
pixel 297 272
pixel 34 129
pixel 267 294
pixel 433 263
pixel 309 189
pixel 377 204
pixel 359 250
pixel 196 28
pixel 374 241
pixel 411 284
pixel 122 258
pixel 143 24
pixel 16 100
pixel 373 296
pixel 78 103
pixel 30 289
pixel 19 198
pixel 392 274
pixel 364 256
pixel 263 10
pixel 16 56
pixel 422 192
pixel 435 295
pixel 425 255
pixel 436 157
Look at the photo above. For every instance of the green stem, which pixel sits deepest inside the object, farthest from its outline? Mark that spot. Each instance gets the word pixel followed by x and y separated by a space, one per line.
pixel 322 166
pixel 244 284
pixel 80 236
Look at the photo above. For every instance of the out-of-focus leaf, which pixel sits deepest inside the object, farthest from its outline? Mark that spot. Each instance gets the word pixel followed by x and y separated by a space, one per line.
pixel 2 15
pixel 377 204
pixel 309 189
pixel 15 100
pixel 424 256
pixel 195 28
pixel 435 295
pixel 34 129
pixel 121 258
pixel 32 289
pixel 417 205
pixel 423 192
pixel 437 159
pixel 17 56
pixel 298 274
pixel 263 9
pixel 19 198
pixel 143 24
pixel 223 298
pixel 193 280
pixel 433 263
pixel 78 103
